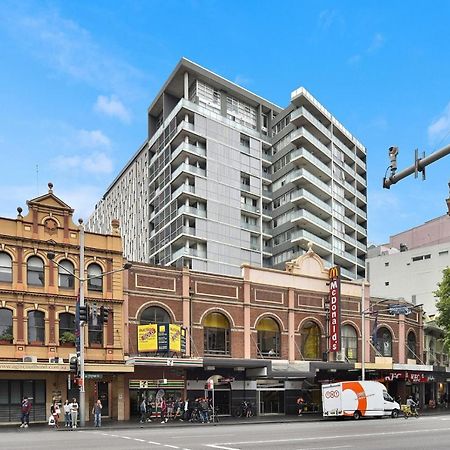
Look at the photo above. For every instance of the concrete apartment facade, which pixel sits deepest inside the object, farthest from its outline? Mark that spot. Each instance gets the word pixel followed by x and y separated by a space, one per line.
pixel 227 177
pixel 410 266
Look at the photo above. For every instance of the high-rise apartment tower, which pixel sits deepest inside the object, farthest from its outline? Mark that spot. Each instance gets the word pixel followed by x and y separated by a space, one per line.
pixel 227 177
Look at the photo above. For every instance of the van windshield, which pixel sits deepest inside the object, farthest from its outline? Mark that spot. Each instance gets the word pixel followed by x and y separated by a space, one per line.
pixel 387 397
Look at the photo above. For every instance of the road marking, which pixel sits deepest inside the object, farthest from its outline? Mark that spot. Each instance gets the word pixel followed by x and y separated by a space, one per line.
pixel 139 440
pixel 171 446
pixel 153 442
pixel 223 445
pixel 325 448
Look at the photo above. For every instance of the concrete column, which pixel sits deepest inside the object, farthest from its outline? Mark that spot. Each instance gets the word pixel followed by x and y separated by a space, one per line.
pixel 186 86
pixel 401 339
pixel 247 324
pixel 291 330
pixel 186 296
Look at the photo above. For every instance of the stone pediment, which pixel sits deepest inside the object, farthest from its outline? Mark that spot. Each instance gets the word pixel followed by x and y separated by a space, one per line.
pixel 309 263
pixel 50 201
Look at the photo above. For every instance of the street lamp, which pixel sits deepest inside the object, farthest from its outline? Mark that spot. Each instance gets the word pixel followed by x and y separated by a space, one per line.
pixel 82 279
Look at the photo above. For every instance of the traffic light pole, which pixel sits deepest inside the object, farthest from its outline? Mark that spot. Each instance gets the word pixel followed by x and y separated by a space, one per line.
pixel 81 325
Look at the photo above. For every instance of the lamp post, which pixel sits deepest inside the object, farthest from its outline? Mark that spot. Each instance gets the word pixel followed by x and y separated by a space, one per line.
pixel 82 279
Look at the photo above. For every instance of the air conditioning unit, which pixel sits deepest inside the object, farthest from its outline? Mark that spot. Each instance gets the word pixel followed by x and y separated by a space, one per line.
pixel 57 360
pixel 31 359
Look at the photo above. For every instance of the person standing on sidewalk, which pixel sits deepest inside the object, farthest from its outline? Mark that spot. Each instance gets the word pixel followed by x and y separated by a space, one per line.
pixel 67 418
pixel 55 411
pixel 97 411
pixel 25 409
pixel 74 412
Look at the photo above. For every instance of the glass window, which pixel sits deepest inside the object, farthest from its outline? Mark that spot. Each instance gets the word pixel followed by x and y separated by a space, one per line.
pixel 66 327
pixel 5 267
pixel 216 334
pixel 6 325
pixel 154 314
pixel 35 271
pixel 268 338
pixel 411 346
pixel 36 326
pixel 95 328
pixel 95 279
pixel 384 342
pixel 66 278
pixel 310 341
pixel 350 342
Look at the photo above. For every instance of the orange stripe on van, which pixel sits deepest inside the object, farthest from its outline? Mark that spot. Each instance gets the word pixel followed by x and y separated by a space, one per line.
pixel 356 387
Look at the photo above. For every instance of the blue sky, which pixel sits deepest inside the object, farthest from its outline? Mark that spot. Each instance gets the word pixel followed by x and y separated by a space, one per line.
pixel 77 77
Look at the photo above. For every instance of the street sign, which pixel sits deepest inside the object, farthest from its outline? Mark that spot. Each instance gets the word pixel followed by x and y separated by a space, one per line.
pixel 396 310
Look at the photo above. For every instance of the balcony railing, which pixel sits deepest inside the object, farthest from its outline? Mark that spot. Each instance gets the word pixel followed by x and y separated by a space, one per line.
pixel 190 148
pixel 184 167
pixel 306 235
pixel 312 198
pixel 303 132
pixel 304 153
pixel 191 210
pixel 304 112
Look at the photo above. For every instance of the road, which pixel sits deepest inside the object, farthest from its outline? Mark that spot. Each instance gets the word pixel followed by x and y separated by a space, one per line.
pixel 423 433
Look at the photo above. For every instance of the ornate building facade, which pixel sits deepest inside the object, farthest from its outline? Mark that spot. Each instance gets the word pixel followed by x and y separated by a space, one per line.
pixel 38 298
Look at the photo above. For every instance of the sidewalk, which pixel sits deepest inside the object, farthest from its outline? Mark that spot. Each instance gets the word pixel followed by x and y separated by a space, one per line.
pixel 131 424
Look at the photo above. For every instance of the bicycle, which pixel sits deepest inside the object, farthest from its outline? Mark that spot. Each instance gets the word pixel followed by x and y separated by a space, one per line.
pixel 409 412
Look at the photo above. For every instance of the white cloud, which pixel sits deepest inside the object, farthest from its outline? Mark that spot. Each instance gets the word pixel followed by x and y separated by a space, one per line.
pixel 94 163
pixel 69 49
pixel 92 139
pixel 326 18
pixel 377 42
pixel 113 107
pixel 439 129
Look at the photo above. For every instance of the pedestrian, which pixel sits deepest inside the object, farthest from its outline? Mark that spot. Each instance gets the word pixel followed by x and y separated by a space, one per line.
pixel 163 406
pixel 25 409
pixel 143 410
pixel 55 412
pixel 204 406
pixel 170 407
pixel 67 418
pixel 74 412
pixel 97 412
pixel 300 405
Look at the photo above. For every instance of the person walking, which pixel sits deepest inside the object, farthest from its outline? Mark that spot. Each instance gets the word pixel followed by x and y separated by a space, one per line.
pixel 55 412
pixel 97 411
pixel 67 417
pixel 25 409
pixel 74 412
pixel 300 405
pixel 143 410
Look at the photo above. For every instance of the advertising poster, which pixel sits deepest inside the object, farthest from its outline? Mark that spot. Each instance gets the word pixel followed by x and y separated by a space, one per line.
pixel 147 338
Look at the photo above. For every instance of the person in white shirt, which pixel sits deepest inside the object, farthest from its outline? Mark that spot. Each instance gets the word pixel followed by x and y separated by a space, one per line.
pixel 67 415
pixel 74 412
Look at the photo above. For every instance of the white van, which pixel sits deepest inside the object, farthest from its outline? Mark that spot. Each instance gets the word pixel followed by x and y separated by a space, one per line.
pixel 358 399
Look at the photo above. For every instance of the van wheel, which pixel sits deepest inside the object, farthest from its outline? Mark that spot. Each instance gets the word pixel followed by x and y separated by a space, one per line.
pixel 394 413
pixel 356 415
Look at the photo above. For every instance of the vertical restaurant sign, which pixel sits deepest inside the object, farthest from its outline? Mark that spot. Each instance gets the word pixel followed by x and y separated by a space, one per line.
pixel 335 309
pixel 147 338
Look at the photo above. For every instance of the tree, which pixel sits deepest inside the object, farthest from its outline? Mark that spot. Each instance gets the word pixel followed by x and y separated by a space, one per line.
pixel 443 306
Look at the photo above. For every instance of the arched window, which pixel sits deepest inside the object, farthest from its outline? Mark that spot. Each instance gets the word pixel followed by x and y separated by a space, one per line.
pixel 411 346
pixel 310 341
pixel 6 325
pixel 36 326
pixel 384 342
pixel 216 334
pixel 154 314
pixel 5 267
pixel 350 342
pixel 67 328
pixel 268 337
pixel 65 274
pixel 35 271
pixel 95 279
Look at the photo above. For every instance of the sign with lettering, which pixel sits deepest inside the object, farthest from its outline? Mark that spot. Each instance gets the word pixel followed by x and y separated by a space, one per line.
pixel 335 310
pixel 147 338
pixel 396 310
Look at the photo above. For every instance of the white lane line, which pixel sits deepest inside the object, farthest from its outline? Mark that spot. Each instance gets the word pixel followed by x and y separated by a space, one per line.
pixel 325 448
pixel 221 447
pixel 321 438
pixel 126 437
pixel 170 446
pixel 153 442
pixel 139 440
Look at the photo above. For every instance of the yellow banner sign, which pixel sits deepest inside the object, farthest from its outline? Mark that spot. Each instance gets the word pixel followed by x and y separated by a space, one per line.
pixel 174 338
pixel 147 338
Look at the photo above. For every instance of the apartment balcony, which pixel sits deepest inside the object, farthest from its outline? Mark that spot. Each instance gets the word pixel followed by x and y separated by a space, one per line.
pixel 302 134
pixel 185 148
pixel 250 226
pixel 348 273
pixel 346 255
pixel 353 224
pixel 308 220
pixel 254 210
pixel 306 236
pixel 296 176
pixel 298 114
pixel 301 154
pixel 190 210
pixel 188 251
pixel 187 233
pixel 189 169
pixel 301 196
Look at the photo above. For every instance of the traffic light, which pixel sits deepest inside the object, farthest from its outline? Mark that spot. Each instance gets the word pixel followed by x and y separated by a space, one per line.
pixel 74 364
pixel 104 313
pixel 83 313
pixel 393 152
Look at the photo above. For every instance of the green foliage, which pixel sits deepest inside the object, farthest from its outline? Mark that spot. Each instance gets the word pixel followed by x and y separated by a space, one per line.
pixel 443 306
pixel 67 337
